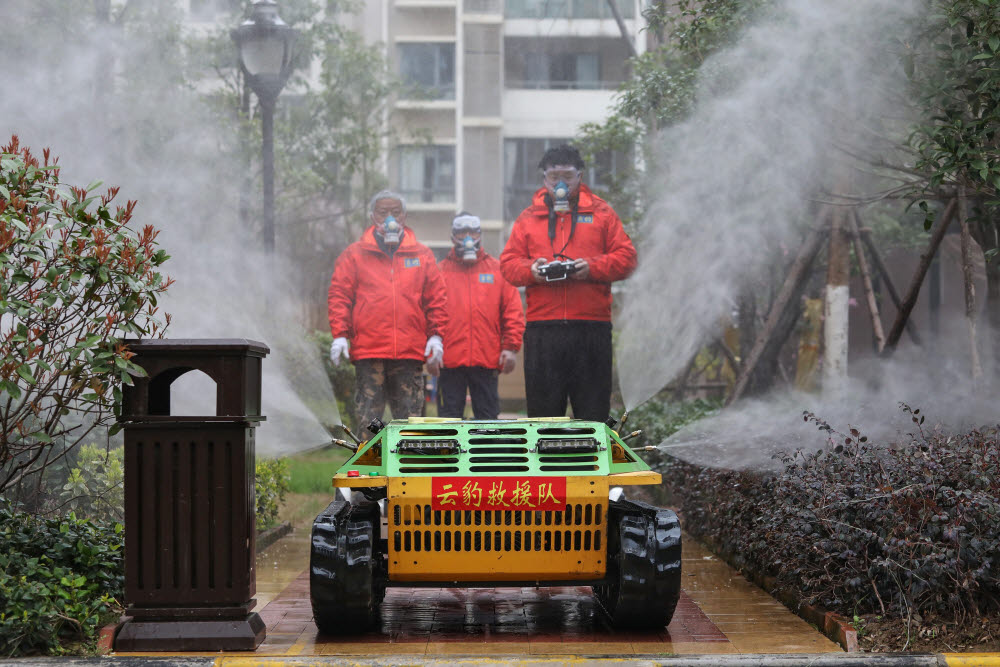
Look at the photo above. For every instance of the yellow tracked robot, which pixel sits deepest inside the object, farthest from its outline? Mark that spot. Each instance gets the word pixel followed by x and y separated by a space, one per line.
pixel 435 502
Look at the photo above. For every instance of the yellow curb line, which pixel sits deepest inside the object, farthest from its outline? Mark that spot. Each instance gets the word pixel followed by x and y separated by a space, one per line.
pixel 972 659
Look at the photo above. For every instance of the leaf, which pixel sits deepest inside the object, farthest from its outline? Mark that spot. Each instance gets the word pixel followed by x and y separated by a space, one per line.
pixel 25 372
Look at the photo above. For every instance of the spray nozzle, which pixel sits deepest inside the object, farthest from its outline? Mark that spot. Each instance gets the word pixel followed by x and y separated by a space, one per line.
pixel 344 444
pixel 350 434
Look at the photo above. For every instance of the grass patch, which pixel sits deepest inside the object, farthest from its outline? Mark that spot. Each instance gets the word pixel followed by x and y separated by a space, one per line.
pixel 311 472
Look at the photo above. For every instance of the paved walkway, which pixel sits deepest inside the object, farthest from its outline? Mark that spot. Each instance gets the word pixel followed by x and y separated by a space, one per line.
pixel 719 613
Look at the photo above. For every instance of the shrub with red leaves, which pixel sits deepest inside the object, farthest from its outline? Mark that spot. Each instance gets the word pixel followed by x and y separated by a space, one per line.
pixel 75 279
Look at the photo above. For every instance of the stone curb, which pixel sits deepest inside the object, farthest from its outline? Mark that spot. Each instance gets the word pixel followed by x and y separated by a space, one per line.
pixel 272 535
pixel 835 626
pixel 742 660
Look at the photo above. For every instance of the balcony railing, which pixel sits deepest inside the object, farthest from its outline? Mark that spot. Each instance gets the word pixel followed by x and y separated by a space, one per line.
pixel 563 85
pixel 566 9
pixel 481 6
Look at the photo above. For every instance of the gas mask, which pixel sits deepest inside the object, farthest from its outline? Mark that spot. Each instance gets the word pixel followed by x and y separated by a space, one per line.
pixel 560 197
pixel 467 249
pixel 392 231
pixel 466 235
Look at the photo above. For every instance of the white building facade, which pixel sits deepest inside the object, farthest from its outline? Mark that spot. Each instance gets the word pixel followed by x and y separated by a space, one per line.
pixel 488 86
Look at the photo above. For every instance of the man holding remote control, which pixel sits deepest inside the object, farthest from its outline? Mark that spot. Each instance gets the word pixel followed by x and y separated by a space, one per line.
pixel 566 249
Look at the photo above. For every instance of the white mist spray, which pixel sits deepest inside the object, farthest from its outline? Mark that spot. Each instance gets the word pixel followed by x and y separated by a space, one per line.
pixel 159 141
pixel 735 182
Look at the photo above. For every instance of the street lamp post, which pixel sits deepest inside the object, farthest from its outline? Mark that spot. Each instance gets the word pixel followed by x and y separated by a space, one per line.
pixel 264 42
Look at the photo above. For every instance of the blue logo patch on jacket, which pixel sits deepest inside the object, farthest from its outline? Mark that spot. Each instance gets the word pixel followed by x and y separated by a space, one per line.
pixel 584 218
pixel 411 262
pixel 486 278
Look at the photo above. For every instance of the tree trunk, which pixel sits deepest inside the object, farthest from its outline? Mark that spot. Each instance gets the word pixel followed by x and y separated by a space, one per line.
pixel 835 307
pixel 970 287
pixel 987 234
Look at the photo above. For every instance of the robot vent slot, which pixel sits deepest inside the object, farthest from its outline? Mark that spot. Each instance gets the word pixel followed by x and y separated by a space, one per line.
pixel 498 459
pixel 496 540
pixel 576 467
pixel 498 441
pixel 425 468
pixel 568 459
pixel 575 514
pixel 498 468
pixel 411 432
pixel 497 450
pixel 429 460
pixel 497 431
pixel 565 430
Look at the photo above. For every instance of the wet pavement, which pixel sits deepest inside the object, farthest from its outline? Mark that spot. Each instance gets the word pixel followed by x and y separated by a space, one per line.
pixel 719 612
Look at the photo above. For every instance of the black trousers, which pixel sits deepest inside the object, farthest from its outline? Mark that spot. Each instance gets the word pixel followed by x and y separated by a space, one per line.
pixel 568 360
pixel 482 386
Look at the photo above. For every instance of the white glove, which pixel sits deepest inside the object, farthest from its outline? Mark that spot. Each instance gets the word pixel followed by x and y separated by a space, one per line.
pixel 508 360
pixel 434 350
pixel 339 349
pixel 435 355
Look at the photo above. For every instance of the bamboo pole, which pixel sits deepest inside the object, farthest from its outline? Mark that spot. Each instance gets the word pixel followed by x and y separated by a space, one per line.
pixel 797 274
pixel 918 278
pixel 866 281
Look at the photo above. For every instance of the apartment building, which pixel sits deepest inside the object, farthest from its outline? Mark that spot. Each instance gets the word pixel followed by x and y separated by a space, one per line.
pixel 490 84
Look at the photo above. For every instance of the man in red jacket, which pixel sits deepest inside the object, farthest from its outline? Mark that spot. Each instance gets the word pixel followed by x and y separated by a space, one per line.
pixel 486 322
pixel 567 248
pixel 388 299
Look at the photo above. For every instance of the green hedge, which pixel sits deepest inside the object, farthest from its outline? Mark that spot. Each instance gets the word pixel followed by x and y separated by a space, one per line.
pixel 61 579
pixel 895 528
pixel 271 486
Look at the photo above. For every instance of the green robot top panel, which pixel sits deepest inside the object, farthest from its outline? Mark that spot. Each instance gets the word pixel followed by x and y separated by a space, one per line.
pixel 522 447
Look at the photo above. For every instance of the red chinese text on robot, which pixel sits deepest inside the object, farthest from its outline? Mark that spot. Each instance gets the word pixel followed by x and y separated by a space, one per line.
pixel 498 493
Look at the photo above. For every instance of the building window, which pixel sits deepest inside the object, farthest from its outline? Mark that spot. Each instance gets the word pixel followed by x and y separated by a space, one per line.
pixel 211 10
pixel 562 71
pixel 428 69
pixel 427 173
pixel 567 9
pixel 522 177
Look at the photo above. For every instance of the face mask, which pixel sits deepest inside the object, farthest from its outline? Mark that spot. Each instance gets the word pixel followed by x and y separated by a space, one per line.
pixel 560 196
pixel 392 231
pixel 468 249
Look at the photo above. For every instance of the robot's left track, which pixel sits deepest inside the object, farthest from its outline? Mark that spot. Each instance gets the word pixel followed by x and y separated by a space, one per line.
pixel 347 576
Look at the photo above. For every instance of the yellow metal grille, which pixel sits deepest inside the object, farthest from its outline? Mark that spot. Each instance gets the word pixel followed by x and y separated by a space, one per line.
pixel 497 545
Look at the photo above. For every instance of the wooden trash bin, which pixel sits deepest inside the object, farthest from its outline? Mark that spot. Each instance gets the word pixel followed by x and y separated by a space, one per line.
pixel 189 501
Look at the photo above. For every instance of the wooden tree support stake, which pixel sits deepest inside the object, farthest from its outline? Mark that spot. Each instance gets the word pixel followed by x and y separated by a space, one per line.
pixel 797 274
pixel 883 271
pixel 866 280
pixel 918 278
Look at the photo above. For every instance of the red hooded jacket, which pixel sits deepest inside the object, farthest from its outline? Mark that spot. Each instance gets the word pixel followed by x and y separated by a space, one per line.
pixel 387 307
pixel 485 312
pixel 598 237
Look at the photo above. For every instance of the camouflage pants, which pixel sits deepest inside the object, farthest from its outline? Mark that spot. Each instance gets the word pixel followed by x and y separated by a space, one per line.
pixel 398 381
